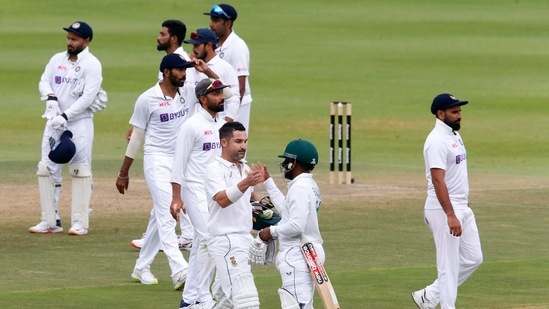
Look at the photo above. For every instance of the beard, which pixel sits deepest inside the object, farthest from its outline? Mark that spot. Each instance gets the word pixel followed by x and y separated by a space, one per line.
pixel 161 46
pixel 176 82
pixel 74 51
pixel 455 125
pixel 218 107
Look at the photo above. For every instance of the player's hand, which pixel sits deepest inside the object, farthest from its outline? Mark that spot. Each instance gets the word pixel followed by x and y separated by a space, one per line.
pixel 58 122
pixel 100 101
pixel 265 234
pixel 122 183
pixel 52 108
pixel 255 175
pixel 176 207
pixel 454 225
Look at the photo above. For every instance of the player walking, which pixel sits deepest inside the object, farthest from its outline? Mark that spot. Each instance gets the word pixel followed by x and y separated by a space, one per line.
pixel 447 212
pixel 229 181
pixel 158 114
pixel 197 145
pixel 299 223
pixel 234 50
pixel 70 83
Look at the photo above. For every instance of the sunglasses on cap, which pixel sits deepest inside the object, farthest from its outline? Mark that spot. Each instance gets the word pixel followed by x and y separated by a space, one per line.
pixel 216 84
pixel 195 36
pixel 219 11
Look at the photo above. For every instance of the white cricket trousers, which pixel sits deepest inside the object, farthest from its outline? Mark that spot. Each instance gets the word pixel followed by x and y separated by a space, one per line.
pixel 161 228
pixel 202 269
pixel 295 275
pixel 457 257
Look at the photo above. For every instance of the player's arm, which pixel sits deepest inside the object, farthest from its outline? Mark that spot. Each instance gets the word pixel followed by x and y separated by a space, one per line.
pixel 232 194
pixel 242 85
pixel 123 179
pixel 92 85
pixel 441 190
pixel 183 148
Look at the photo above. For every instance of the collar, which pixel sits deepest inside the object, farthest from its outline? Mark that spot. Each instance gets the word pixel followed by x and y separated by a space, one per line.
pixel 441 126
pixel 300 176
pixel 227 163
pixel 204 113
pixel 159 93
pixel 214 60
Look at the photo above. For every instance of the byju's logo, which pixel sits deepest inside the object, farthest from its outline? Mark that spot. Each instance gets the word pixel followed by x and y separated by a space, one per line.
pixel 210 146
pixel 460 158
pixel 67 80
pixel 171 116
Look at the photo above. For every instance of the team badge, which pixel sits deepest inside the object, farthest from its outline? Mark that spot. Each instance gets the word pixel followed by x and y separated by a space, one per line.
pixel 221 55
pixel 182 100
pixel 77 69
pixel 75 25
pixel 233 261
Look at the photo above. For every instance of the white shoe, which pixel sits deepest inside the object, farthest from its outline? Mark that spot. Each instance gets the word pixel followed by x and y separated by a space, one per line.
pixel 420 298
pixel 144 276
pixel 138 243
pixel 184 243
pixel 78 229
pixel 179 280
pixel 44 228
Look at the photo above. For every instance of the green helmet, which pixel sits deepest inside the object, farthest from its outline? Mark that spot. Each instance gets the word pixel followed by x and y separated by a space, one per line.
pixel 302 151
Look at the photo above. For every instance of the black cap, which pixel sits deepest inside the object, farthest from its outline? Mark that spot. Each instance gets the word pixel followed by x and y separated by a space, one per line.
pixel 82 29
pixel 225 11
pixel 208 85
pixel 173 61
pixel 444 101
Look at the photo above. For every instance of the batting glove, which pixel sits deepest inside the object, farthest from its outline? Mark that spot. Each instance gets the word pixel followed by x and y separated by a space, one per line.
pixel 52 108
pixel 58 122
pixel 257 251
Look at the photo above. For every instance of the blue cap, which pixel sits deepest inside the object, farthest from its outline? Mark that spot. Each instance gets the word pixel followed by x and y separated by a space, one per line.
pixel 225 11
pixel 82 29
pixel 173 61
pixel 63 151
pixel 444 101
pixel 203 35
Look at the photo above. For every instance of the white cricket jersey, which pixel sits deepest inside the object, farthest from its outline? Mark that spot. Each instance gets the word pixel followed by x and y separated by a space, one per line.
pixel 235 51
pixel 228 75
pixel 197 145
pixel 75 84
pixel 237 217
pixel 160 116
pixel 444 149
pixel 298 211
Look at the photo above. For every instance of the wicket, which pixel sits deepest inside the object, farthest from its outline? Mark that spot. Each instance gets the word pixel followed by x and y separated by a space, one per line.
pixel 336 108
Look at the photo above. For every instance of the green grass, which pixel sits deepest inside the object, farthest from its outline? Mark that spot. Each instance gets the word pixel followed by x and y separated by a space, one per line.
pixel 389 58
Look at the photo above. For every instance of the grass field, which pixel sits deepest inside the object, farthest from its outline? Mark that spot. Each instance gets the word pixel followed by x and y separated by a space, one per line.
pixel 390 58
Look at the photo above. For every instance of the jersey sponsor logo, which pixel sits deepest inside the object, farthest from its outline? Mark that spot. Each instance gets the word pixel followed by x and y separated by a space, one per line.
pixel 171 116
pixel 208 132
pixel 454 145
pixel 65 80
pixel 210 146
pixel 460 158
pixel 162 104
pixel 62 68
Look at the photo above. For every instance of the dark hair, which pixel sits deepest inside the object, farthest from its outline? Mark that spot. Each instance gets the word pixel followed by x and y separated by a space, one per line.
pixel 177 28
pixel 228 128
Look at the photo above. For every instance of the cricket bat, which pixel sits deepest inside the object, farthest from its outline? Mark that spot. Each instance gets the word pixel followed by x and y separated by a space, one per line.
pixel 323 284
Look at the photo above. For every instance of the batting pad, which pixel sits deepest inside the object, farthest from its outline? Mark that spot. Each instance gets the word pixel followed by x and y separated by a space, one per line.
pixel 287 301
pixel 81 193
pixel 244 292
pixel 46 187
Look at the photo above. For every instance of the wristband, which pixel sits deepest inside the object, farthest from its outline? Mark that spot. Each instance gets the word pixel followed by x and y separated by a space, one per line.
pixel 52 97
pixel 64 116
pixel 233 194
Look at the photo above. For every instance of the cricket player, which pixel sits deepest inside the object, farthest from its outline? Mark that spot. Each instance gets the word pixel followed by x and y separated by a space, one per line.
pixel 70 83
pixel 196 146
pixel 229 182
pixel 204 42
pixel 299 223
pixel 158 114
pixel 234 50
pixel 447 212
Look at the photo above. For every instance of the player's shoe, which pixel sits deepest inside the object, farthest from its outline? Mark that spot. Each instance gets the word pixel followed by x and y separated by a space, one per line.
pixel 138 243
pixel 184 243
pixel 144 276
pixel 179 280
pixel 421 301
pixel 78 229
pixel 44 228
